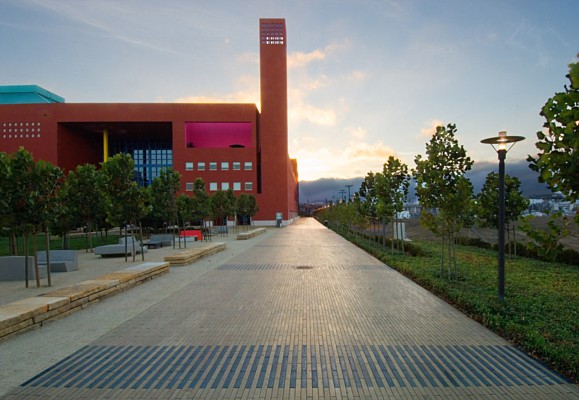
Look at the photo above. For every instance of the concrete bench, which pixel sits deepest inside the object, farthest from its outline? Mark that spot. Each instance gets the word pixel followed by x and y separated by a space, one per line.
pixel 12 268
pixel 33 312
pixel 251 233
pixel 120 249
pixel 188 256
pixel 165 239
pixel 60 260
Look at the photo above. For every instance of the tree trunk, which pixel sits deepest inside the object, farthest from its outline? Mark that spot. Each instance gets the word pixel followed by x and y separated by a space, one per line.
pixel 515 238
pixel 89 228
pixel 35 252
pixel 13 244
pixel 394 227
pixel 25 236
pixel 442 257
pixel 142 246
pixel 126 242
pixel 47 246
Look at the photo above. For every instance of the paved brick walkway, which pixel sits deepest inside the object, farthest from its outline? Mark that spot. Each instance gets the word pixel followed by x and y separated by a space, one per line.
pixel 301 314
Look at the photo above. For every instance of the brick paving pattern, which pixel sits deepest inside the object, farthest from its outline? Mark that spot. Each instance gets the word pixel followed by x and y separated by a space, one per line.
pixel 302 314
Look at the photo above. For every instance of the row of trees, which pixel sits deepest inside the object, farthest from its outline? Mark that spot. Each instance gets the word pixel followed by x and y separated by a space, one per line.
pixel 36 197
pixel 446 195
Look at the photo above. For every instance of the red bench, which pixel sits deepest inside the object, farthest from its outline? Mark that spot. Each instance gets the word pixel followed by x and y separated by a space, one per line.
pixel 192 233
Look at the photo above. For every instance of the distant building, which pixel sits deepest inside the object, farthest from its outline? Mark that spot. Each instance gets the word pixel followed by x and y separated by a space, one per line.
pixel 229 146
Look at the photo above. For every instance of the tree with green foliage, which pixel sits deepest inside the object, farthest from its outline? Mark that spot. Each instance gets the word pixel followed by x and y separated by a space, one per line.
pixel 163 192
pixel 391 186
pixel 6 214
pixel 367 198
pixel 185 208
pixel 201 202
pixel 253 207
pixel 45 184
pixel 488 199
pixel 84 197
pixel 126 202
pixel 65 218
pixel 242 209
pixel 222 205
pixel 558 159
pixel 557 162
pixel 20 182
pixel 443 191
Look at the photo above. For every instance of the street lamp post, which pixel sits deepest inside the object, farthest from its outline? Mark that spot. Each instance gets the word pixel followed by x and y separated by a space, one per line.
pixel 502 141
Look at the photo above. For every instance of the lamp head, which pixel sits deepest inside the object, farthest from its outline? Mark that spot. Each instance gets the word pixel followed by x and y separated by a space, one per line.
pixel 502 141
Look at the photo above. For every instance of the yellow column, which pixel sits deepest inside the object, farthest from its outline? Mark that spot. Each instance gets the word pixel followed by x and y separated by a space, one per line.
pixel 105 145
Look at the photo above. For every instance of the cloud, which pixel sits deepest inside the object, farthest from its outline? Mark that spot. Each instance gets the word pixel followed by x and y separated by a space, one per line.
pixel 300 59
pixel 357 132
pixel 300 110
pixel 236 97
pixel 354 159
pixel 426 133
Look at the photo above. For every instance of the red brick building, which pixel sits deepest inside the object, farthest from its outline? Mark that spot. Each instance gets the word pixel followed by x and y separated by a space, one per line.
pixel 227 145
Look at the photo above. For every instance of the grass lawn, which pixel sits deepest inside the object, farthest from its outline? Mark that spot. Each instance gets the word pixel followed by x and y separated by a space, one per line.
pixel 74 243
pixel 541 310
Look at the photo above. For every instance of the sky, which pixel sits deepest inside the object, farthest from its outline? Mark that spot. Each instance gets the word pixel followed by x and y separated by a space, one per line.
pixel 367 79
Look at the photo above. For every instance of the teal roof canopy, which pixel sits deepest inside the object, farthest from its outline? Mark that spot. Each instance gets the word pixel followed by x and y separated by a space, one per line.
pixel 27 94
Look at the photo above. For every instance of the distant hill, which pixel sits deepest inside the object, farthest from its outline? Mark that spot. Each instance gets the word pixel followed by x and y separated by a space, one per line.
pixel 328 189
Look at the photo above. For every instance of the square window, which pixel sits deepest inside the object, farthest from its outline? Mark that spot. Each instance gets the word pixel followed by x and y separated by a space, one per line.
pixel 248 166
pixel 236 186
pixel 213 186
pixel 224 185
pixel 189 186
pixel 200 166
pixel 188 166
pixel 212 166
pixel 224 166
pixel 236 166
pixel 248 186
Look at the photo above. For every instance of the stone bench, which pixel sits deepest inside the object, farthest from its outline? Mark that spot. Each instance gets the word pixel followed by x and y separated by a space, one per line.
pixel 12 268
pixel 164 239
pixel 120 249
pixel 33 312
pixel 60 260
pixel 188 256
pixel 251 233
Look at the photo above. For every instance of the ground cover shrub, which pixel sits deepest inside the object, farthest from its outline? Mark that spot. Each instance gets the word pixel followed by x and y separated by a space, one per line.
pixel 541 309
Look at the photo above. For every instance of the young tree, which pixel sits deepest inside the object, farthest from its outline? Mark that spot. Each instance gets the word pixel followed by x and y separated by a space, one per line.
pixel 443 191
pixel 163 191
pixel 222 206
pixel 20 181
pixel 6 214
pixel 126 203
pixel 558 159
pixel 84 197
pixel 45 185
pixel 185 208
pixel 242 208
pixel 488 200
pixel 201 202
pixel 253 207
pixel 391 191
pixel 368 199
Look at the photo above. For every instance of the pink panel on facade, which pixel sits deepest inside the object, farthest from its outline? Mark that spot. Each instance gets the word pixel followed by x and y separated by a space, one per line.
pixel 218 134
